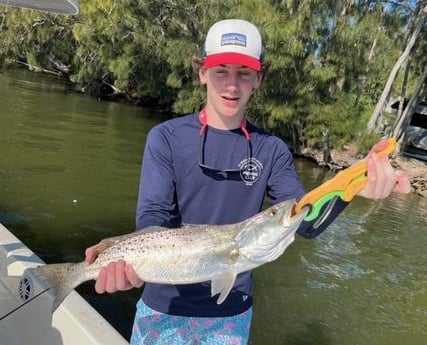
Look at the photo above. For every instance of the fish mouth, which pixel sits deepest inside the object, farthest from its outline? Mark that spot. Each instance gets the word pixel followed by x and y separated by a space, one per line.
pixel 283 213
pixel 288 216
pixel 293 220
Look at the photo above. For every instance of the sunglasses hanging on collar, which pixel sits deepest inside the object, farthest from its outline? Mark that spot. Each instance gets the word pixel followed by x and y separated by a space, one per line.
pixel 202 133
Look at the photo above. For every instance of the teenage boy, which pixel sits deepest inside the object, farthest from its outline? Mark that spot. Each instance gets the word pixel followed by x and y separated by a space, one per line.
pixel 215 167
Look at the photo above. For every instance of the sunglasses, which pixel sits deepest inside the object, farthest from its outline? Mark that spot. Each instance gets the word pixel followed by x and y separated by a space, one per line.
pixel 224 172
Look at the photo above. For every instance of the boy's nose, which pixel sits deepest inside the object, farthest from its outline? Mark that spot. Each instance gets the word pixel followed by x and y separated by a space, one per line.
pixel 233 80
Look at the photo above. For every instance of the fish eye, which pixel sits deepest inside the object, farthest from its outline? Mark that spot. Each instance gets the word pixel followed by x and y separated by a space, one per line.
pixel 272 212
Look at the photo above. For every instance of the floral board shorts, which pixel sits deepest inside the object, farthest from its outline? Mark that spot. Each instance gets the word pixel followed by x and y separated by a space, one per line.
pixel 154 328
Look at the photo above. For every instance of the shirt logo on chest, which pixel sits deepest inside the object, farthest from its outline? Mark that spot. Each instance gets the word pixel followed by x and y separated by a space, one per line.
pixel 250 170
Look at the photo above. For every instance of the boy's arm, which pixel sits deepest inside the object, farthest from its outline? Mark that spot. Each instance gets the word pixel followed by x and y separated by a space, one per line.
pixel 156 203
pixel 372 178
pixel 312 227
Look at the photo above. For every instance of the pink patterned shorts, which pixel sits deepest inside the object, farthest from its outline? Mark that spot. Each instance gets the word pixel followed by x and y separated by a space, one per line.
pixel 154 328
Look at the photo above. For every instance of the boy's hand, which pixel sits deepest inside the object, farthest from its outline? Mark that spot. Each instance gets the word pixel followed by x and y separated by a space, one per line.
pixel 383 179
pixel 117 276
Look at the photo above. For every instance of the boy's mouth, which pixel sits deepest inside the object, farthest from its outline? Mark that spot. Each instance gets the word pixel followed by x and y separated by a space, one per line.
pixel 230 98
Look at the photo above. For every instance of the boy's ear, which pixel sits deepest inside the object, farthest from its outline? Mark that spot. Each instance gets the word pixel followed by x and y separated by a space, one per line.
pixel 202 75
pixel 258 80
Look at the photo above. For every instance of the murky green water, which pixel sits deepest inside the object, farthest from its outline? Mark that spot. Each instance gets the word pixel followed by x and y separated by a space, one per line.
pixel 69 171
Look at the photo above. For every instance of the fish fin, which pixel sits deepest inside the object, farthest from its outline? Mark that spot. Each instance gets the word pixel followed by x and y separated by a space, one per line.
pixel 222 285
pixel 54 275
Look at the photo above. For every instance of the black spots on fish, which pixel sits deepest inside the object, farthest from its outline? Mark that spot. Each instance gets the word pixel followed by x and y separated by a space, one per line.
pixel 163 235
pixel 131 247
pixel 157 235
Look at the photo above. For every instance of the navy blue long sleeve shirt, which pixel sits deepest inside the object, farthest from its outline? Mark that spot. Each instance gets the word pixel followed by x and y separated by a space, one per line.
pixel 174 189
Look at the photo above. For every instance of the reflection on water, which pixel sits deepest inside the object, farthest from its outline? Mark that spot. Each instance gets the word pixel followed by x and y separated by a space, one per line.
pixel 69 170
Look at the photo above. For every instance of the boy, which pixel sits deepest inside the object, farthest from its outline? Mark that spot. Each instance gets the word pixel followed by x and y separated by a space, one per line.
pixel 214 167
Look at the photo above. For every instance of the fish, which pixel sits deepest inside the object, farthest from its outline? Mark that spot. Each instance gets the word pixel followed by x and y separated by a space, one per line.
pixel 192 253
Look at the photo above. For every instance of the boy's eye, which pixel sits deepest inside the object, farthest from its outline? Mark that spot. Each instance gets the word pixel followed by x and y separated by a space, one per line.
pixel 245 72
pixel 221 71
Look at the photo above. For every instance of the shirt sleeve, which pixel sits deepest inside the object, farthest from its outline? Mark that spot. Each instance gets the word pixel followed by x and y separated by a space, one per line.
pixel 283 182
pixel 328 213
pixel 156 196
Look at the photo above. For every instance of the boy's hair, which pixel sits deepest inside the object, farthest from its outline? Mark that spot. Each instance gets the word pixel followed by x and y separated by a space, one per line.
pixel 197 63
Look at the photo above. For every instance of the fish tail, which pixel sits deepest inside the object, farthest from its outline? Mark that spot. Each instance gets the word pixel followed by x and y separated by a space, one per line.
pixel 55 276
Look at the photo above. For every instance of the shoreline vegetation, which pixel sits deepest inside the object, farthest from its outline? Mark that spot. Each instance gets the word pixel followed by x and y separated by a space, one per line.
pixel 341 159
pixel 329 68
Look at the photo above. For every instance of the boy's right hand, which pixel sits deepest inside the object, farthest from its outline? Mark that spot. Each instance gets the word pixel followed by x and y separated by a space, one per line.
pixel 117 276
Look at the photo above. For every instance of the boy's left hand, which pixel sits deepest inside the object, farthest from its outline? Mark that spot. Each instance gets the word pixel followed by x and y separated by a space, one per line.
pixel 382 178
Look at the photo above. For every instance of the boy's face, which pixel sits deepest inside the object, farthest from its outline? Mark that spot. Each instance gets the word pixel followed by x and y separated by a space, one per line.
pixel 229 87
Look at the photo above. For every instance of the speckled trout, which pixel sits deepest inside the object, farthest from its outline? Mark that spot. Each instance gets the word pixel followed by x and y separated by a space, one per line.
pixel 185 255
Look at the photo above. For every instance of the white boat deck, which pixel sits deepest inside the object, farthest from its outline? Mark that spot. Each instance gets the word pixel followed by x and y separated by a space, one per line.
pixel 25 306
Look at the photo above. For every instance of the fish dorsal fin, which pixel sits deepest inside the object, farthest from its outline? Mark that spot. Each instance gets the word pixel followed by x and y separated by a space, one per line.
pixel 222 285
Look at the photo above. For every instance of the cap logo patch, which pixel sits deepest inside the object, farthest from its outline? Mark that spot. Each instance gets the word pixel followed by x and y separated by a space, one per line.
pixel 233 39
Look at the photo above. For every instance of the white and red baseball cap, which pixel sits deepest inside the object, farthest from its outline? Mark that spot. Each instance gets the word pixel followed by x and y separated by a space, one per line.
pixel 233 41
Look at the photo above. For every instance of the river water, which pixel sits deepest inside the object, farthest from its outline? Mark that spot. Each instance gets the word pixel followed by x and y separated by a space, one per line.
pixel 69 171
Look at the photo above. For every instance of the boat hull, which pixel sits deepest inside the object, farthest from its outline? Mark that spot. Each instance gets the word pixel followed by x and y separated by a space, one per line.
pixel 25 305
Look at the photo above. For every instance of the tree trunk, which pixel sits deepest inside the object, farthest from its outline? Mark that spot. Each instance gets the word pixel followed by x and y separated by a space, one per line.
pixel 373 121
pixel 403 91
pixel 406 117
pixel 325 146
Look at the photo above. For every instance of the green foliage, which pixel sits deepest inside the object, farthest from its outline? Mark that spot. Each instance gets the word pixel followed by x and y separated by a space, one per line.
pixel 37 38
pixel 328 60
pixel 342 119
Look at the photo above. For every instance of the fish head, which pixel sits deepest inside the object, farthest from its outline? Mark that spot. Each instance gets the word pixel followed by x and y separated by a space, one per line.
pixel 265 236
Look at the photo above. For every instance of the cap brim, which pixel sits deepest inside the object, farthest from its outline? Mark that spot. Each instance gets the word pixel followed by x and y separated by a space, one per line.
pixel 231 58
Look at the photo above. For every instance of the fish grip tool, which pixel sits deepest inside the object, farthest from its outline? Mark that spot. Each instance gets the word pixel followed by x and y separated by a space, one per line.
pixel 345 185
